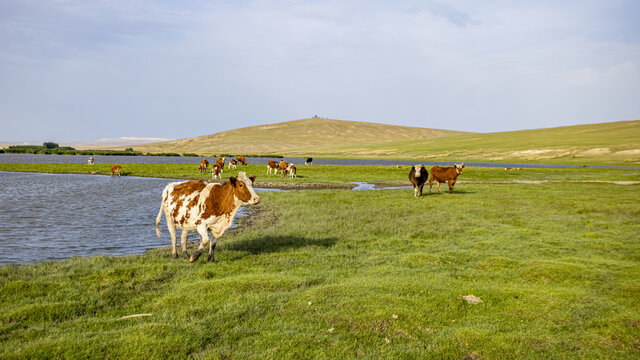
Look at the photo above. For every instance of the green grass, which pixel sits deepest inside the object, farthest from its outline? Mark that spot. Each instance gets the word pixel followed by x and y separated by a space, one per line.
pixel 557 265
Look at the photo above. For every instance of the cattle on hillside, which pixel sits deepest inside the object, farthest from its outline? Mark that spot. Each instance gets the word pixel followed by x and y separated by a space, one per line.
pixel 198 206
pixel 115 169
pixel 418 177
pixel 241 160
pixel 272 165
pixel 203 165
pixel 448 174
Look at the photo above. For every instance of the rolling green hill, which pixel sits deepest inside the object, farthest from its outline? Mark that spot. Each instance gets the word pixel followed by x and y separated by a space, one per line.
pixel 613 142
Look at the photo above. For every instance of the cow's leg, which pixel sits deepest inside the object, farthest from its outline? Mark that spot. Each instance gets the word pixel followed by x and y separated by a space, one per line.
pixel 451 183
pixel 438 186
pixel 415 191
pixel 172 230
pixel 430 184
pixel 205 240
pixel 421 186
pixel 183 243
pixel 212 247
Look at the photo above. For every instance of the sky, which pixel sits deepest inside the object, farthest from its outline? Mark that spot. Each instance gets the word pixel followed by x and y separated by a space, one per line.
pixel 86 70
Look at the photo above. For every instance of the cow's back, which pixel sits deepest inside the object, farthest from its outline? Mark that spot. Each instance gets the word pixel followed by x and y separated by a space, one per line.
pixel 180 200
pixel 443 174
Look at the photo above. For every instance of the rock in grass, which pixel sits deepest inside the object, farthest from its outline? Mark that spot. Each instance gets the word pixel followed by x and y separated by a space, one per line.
pixel 471 299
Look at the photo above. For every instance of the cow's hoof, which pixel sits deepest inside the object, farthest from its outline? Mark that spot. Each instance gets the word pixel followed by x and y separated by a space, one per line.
pixel 211 260
pixel 195 256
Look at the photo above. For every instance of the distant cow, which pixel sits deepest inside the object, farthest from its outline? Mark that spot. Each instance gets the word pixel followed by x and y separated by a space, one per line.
pixel 220 161
pixel 308 161
pixel 291 169
pixel 447 174
pixel 203 165
pixel 216 172
pixel 115 169
pixel 90 161
pixel 418 177
pixel 282 167
pixel 232 163
pixel 198 206
pixel 272 165
pixel 241 160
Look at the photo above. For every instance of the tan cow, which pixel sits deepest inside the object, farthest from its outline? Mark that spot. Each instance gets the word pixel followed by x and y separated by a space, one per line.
pixel 220 161
pixel 203 165
pixel 272 165
pixel 282 167
pixel 241 160
pixel 216 172
pixel 115 169
pixel 448 174
pixel 198 206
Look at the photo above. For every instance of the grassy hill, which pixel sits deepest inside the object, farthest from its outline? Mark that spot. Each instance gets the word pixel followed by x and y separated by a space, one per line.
pixel 613 142
pixel 296 137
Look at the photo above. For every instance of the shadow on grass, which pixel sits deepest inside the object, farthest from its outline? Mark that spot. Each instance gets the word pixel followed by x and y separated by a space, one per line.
pixel 269 244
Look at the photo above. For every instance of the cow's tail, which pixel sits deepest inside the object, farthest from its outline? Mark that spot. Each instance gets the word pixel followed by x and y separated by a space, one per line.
pixel 158 221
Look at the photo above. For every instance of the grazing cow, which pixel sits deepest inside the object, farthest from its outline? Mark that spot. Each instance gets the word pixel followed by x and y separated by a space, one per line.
pixel 198 206
pixel 241 160
pixel 216 172
pixel 309 161
pixel 272 165
pixel 90 161
pixel 418 177
pixel 115 169
pixel 232 163
pixel 282 167
pixel 447 174
pixel 220 161
pixel 203 165
pixel 291 169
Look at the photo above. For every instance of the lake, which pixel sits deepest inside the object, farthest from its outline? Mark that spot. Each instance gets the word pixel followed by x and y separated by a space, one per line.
pixel 54 216
pixel 82 159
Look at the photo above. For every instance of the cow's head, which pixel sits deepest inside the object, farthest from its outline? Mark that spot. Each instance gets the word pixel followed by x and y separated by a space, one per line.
pixel 418 170
pixel 459 168
pixel 243 188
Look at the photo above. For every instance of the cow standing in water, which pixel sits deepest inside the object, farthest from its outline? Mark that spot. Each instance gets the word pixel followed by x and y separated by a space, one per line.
pixel 448 174
pixel 198 206
pixel 418 177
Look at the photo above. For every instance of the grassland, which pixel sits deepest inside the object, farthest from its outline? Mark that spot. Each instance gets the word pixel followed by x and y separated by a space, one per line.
pixel 605 143
pixel 375 275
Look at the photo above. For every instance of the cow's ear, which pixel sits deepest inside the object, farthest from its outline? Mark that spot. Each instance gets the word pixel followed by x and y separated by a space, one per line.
pixel 253 179
pixel 232 180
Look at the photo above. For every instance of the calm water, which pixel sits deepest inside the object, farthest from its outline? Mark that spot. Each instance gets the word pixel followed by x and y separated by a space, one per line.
pixel 82 159
pixel 52 216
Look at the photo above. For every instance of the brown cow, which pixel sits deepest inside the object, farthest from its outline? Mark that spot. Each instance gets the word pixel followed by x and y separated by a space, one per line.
pixel 272 165
pixel 220 161
pixel 418 177
pixel 241 160
pixel 292 171
pixel 115 169
pixel 216 172
pixel 282 167
pixel 203 165
pixel 447 174
pixel 232 163
pixel 197 206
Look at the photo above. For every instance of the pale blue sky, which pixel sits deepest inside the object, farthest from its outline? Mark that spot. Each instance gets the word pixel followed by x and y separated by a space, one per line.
pixel 85 70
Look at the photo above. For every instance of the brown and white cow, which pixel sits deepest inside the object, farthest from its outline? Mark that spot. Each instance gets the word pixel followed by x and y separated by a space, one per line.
pixel 282 167
pixel 216 172
pixel 232 163
pixel 291 169
pixel 220 161
pixel 272 165
pixel 203 165
pixel 448 174
pixel 115 169
pixel 241 160
pixel 418 177
pixel 90 161
pixel 198 206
